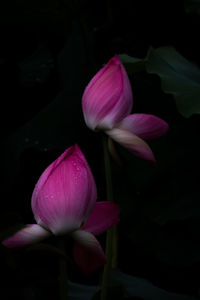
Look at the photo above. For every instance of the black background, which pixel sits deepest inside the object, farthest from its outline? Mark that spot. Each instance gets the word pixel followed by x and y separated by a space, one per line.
pixel 49 51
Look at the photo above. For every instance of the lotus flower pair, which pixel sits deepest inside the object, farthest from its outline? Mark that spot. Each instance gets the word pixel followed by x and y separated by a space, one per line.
pixel 64 199
pixel 64 202
pixel 107 103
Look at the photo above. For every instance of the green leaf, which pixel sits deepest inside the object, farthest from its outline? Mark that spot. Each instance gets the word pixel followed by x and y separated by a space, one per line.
pixel 192 6
pixel 143 289
pixel 134 288
pixel 132 64
pixel 80 291
pixel 178 76
pixel 115 291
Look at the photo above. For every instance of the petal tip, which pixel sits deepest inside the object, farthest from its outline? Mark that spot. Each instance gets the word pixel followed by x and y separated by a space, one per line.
pixel 87 252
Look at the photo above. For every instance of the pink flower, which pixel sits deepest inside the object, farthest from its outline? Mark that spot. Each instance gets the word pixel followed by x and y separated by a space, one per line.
pixel 64 202
pixel 107 103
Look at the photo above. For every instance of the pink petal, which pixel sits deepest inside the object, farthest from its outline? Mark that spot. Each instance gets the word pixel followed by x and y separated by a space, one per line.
pixel 108 97
pixel 87 252
pixel 145 126
pixel 104 215
pixel 30 234
pixel 42 180
pixel 133 143
pixel 65 194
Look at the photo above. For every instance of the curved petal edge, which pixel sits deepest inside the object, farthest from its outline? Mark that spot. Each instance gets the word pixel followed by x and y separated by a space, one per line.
pixel 30 234
pixel 104 215
pixel 133 143
pixel 87 251
pixel 144 126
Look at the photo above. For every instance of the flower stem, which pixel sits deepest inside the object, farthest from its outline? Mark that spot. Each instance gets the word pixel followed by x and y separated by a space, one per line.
pixel 111 237
pixel 114 246
pixel 107 267
pixel 107 169
pixel 63 272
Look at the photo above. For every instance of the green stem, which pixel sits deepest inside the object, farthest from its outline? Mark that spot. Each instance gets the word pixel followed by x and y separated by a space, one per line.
pixel 107 165
pixel 63 271
pixel 114 246
pixel 107 267
pixel 111 237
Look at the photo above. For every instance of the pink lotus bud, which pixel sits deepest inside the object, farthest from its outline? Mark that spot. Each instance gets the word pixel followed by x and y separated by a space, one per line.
pixel 108 97
pixel 65 193
pixel 107 102
pixel 64 201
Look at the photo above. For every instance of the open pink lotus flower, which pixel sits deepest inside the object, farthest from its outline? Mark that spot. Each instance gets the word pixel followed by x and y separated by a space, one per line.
pixel 64 202
pixel 107 103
